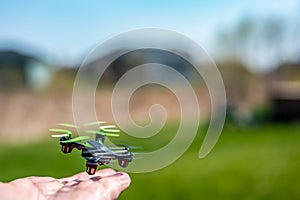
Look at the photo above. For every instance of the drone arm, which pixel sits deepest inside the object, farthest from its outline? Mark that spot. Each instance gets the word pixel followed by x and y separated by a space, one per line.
pixel 68 147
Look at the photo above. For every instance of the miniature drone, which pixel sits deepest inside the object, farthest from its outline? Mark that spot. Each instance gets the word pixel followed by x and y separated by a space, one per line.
pixel 94 151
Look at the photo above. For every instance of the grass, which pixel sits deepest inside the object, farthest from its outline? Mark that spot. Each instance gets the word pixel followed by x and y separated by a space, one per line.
pixel 260 162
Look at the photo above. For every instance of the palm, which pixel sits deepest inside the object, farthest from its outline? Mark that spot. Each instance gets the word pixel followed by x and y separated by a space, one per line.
pixel 105 184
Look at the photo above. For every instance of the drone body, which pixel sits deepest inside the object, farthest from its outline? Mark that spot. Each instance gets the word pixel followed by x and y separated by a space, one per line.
pixel 94 151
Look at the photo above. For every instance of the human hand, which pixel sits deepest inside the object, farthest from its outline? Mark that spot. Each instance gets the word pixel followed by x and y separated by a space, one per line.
pixel 105 184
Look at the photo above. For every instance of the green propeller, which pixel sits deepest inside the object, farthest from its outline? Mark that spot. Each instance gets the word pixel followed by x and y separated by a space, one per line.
pixel 80 138
pixel 68 125
pixel 107 129
pixel 94 123
pixel 67 133
pixel 102 133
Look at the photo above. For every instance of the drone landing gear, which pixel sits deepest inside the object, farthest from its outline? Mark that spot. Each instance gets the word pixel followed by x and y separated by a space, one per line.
pixel 66 148
pixel 123 163
pixel 91 168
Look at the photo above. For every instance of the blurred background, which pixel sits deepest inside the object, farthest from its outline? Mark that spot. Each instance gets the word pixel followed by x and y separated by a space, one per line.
pixel 256 47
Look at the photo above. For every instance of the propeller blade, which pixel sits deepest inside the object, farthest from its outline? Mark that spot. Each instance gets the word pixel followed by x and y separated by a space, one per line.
pixel 117 148
pixel 61 135
pixel 60 130
pixel 94 123
pixel 139 153
pixel 98 151
pixel 68 125
pixel 112 134
pixel 108 126
pixel 138 158
pixel 76 139
pixel 107 129
pixel 107 157
pixel 102 133
pixel 121 151
pixel 101 153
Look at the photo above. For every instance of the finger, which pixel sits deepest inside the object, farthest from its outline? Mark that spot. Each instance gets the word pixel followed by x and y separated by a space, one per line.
pixel 85 176
pixel 115 184
pixel 105 172
pixel 106 188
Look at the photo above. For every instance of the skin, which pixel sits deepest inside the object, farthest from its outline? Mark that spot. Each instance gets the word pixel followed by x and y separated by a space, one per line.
pixel 105 184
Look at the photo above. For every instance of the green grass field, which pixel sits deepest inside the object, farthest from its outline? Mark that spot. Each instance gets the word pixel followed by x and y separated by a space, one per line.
pixel 260 162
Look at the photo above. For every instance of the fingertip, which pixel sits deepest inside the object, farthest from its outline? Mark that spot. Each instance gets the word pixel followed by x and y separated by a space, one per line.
pixel 124 179
pixel 116 184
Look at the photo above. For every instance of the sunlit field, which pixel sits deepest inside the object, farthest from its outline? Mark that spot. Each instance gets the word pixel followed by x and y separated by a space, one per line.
pixel 254 162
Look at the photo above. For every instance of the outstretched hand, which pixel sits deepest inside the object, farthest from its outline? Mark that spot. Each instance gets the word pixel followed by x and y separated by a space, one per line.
pixel 105 184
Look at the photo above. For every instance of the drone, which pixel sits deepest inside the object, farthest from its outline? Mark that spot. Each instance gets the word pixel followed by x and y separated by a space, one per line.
pixel 94 151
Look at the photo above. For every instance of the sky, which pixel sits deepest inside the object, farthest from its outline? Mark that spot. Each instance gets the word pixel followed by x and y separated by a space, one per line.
pixel 67 29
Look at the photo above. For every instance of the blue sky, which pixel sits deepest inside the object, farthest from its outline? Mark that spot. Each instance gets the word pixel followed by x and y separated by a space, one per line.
pixel 68 28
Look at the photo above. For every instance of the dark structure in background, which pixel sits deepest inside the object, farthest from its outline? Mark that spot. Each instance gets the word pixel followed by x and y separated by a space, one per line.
pixel 19 71
pixel 284 92
pixel 148 55
pixel 127 61
pixel 13 69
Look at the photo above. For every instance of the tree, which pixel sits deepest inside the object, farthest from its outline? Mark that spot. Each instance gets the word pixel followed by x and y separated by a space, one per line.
pixel 258 43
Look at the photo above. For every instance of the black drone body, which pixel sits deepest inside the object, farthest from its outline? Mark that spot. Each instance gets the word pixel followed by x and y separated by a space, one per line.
pixel 94 151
